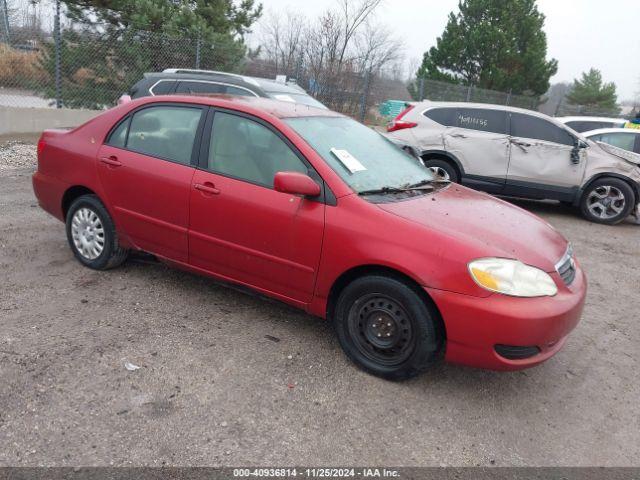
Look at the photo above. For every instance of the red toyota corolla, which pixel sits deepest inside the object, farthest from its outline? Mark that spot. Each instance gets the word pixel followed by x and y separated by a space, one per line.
pixel 319 211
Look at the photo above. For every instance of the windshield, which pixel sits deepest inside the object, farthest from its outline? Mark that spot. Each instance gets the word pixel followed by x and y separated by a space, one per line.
pixel 302 98
pixel 363 158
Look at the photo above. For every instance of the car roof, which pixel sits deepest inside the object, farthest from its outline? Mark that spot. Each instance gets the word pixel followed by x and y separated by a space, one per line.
pixel 590 119
pixel 276 108
pixel 265 84
pixel 487 106
pixel 600 131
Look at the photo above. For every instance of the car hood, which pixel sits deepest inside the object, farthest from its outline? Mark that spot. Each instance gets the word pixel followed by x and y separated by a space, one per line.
pixel 494 227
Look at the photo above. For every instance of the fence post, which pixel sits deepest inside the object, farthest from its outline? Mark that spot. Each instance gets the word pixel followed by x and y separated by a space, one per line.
pixel 57 40
pixel 198 46
pixel 469 93
pixel 509 96
pixel 421 89
pixel 365 95
pixel 5 22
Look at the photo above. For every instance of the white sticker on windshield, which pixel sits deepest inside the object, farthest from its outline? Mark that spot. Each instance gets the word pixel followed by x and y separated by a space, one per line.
pixel 349 161
pixel 284 98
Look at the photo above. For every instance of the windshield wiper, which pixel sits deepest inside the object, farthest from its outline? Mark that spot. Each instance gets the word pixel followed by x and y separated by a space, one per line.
pixel 428 181
pixel 386 190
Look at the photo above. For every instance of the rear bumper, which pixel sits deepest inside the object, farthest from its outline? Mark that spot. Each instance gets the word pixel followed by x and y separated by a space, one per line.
pixel 49 191
pixel 476 325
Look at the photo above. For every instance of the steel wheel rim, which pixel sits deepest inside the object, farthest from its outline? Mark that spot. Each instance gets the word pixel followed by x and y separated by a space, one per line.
pixel 606 202
pixel 381 329
pixel 440 172
pixel 87 233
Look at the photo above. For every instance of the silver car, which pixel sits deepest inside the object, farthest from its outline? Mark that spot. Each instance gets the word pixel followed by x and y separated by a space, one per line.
pixel 514 152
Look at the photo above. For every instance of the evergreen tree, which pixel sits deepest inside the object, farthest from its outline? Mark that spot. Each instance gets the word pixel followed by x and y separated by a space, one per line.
pixel 592 93
pixel 494 44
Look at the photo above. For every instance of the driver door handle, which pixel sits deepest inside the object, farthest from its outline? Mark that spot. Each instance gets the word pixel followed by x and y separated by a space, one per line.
pixel 207 188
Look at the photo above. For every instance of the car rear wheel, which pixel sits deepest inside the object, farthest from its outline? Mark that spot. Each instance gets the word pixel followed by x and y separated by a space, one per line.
pixel 92 235
pixel 442 169
pixel 386 328
pixel 608 201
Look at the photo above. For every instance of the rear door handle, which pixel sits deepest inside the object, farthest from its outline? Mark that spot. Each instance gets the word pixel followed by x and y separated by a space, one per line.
pixel 111 161
pixel 207 187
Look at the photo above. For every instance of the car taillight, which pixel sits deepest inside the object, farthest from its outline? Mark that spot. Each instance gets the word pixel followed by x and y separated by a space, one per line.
pixel 41 144
pixel 399 124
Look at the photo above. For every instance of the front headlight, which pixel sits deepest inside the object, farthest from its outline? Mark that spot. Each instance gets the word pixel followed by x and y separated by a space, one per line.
pixel 511 277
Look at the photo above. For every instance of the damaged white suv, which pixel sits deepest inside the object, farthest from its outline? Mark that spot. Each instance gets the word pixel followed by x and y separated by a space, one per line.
pixel 514 152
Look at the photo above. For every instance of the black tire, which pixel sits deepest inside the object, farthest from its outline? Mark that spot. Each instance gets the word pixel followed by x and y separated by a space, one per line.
pixel 112 255
pixel 445 166
pixel 372 308
pixel 592 209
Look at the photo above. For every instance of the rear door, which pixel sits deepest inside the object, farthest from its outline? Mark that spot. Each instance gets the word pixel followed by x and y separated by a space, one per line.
pixel 480 142
pixel 240 227
pixel 145 169
pixel 540 164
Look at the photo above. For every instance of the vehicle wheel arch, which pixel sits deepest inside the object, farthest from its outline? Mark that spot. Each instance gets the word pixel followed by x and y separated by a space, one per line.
pixel 634 185
pixel 71 194
pixel 372 269
pixel 446 157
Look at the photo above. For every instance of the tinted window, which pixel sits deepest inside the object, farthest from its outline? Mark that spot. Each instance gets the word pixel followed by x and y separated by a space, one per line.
pixel 637 148
pixel 494 121
pixel 165 131
pixel 586 125
pixel 118 136
pixel 528 126
pixel 443 116
pixel 247 150
pixel 620 140
pixel 200 87
pixel 238 91
pixel 164 87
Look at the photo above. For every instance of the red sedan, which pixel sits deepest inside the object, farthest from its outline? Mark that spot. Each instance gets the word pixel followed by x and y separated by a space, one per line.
pixel 319 211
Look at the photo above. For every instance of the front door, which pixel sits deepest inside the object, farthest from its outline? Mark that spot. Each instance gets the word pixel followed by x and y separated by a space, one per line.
pixel 145 170
pixel 480 141
pixel 241 228
pixel 541 164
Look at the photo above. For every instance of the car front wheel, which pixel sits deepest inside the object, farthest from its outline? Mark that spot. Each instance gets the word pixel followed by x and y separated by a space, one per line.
pixel 386 328
pixel 92 234
pixel 608 201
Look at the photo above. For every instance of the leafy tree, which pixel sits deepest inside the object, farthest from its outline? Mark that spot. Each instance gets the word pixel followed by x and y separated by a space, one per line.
pixel 494 44
pixel 593 94
pixel 114 42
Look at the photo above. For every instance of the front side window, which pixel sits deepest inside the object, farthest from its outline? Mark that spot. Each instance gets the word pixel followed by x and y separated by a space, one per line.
pixel 528 126
pixel 166 132
pixel 620 140
pixel 483 120
pixel 247 150
pixel 363 158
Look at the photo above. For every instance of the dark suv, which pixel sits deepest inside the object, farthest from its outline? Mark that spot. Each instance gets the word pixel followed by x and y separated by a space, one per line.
pixel 178 80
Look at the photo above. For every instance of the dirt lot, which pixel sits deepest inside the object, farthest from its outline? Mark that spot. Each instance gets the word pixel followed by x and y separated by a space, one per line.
pixel 213 389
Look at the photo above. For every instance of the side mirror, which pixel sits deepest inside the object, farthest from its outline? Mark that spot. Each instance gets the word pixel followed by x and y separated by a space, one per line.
pixel 295 183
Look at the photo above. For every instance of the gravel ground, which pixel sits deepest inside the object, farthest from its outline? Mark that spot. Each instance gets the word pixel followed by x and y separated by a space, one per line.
pixel 16 154
pixel 230 379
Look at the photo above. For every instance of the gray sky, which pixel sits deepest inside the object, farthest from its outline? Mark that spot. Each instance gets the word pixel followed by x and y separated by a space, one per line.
pixel 581 33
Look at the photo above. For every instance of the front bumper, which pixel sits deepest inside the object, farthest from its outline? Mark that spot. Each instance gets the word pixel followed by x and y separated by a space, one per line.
pixel 474 325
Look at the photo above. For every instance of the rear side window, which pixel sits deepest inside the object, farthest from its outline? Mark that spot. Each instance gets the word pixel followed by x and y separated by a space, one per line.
pixel 166 132
pixel 238 91
pixel 200 87
pixel 483 120
pixel 637 148
pixel 163 87
pixel 443 116
pixel 528 126
pixel 118 137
